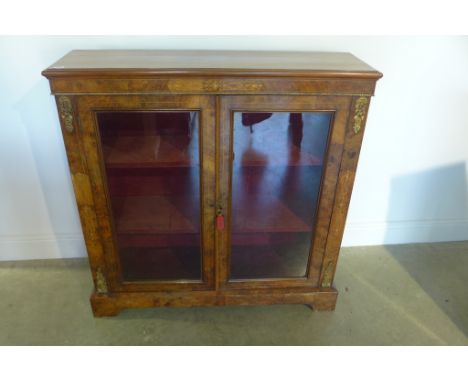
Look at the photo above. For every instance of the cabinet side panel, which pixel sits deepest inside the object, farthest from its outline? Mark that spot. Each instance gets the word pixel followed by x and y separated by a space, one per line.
pixel 92 149
pixel 71 131
pixel 354 135
pixel 329 184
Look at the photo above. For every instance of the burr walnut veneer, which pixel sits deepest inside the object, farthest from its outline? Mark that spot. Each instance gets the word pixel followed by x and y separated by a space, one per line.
pixel 212 177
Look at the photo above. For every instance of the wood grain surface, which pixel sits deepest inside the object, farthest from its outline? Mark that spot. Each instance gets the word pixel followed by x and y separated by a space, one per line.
pixel 215 84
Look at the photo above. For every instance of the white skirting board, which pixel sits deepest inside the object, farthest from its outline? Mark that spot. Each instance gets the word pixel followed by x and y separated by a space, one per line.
pixel 401 232
pixel 30 247
pixel 34 247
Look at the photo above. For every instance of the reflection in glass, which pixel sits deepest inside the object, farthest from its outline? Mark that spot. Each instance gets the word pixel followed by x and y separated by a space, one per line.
pixel 276 177
pixel 152 165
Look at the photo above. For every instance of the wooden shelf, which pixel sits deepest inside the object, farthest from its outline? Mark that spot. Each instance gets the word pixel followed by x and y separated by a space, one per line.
pixel 264 261
pixel 287 157
pixel 161 263
pixel 266 238
pixel 156 215
pixel 155 240
pixel 150 151
pixel 277 140
pixel 265 213
pixel 150 216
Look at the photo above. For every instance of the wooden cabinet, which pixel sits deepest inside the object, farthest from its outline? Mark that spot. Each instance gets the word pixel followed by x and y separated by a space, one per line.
pixel 212 178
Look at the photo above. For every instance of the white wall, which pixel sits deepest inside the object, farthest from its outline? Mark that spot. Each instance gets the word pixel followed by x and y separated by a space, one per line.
pixel 411 180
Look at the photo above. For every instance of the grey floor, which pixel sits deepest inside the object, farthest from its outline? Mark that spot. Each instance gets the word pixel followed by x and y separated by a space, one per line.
pixel 394 295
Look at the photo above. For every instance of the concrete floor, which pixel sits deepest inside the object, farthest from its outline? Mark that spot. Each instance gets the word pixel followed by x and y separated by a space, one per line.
pixel 394 295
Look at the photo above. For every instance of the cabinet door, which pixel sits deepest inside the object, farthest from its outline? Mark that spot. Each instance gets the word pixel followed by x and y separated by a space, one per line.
pixel 279 164
pixel 151 164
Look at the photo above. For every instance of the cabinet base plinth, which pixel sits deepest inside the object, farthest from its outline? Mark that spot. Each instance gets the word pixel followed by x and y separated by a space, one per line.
pixel 106 305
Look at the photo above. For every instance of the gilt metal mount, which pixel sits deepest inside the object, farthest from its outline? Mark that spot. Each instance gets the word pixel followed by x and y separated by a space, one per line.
pixel 327 276
pixel 101 284
pixel 66 112
pixel 359 113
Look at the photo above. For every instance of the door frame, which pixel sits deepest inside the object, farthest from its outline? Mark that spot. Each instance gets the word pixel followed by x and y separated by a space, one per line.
pixel 340 106
pixel 107 260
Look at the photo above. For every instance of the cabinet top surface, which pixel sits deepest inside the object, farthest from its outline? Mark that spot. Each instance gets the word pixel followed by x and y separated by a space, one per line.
pixel 150 62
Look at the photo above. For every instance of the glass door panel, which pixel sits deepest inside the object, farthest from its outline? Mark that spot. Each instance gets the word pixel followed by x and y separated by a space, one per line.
pixel 276 178
pixel 152 165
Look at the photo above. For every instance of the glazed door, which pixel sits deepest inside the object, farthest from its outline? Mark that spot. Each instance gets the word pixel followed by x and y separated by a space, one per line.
pixel 151 164
pixel 278 170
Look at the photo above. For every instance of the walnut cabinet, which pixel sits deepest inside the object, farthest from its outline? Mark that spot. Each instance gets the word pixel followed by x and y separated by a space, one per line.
pixel 211 177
